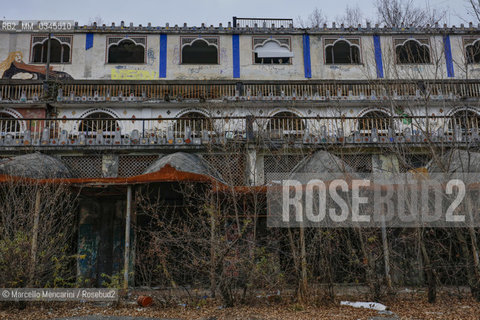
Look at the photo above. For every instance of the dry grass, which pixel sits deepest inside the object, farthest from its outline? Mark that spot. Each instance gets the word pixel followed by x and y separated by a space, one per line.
pixel 413 306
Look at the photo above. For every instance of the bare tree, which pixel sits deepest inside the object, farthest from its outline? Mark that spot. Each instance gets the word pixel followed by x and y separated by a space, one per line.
pixel 396 13
pixel 315 19
pixel 36 222
pixel 97 19
pixel 473 8
pixel 353 16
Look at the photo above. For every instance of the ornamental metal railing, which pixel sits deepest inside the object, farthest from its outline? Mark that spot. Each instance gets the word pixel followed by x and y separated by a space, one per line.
pixel 83 132
pixel 107 91
pixel 262 22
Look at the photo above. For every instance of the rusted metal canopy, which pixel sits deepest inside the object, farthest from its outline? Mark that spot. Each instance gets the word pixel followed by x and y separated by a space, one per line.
pixel 185 162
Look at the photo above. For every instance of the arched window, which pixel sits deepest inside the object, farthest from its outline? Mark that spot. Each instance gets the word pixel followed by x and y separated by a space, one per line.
pixel 374 119
pixel 271 52
pixel 473 52
pixel 342 52
pixel 99 122
pixel 196 121
pixel 467 121
pixel 412 51
pixel 59 51
pixel 8 123
pixel 286 123
pixel 199 52
pixel 126 51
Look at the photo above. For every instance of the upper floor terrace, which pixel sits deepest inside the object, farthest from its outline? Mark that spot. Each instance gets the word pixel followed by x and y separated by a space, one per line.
pixel 195 131
pixel 438 112
pixel 85 92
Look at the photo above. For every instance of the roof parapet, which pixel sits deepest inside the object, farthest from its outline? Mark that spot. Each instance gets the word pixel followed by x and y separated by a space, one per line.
pixel 266 25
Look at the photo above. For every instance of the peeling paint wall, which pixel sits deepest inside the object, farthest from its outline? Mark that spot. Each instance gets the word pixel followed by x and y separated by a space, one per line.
pixel 91 63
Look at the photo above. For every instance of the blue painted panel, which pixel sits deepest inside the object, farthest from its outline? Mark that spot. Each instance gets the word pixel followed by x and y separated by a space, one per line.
pixel 89 41
pixel 236 55
pixel 307 64
pixel 162 72
pixel 378 56
pixel 448 56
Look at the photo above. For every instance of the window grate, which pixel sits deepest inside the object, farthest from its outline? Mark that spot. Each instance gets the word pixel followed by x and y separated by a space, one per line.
pixel 63 39
pixel 359 163
pixel 231 167
pixel 84 166
pixel 279 167
pixel 258 41
pixel 137 40
pixel 134 165
pixel 210 40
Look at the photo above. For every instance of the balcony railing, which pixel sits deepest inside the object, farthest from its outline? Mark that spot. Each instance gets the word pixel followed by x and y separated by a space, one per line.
pixel 83 132
pixel 98 91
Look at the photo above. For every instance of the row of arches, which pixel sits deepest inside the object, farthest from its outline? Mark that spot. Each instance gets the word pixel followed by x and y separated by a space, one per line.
pixel 200 51
pixel 466 119
pixel 410 51
pixel 341 51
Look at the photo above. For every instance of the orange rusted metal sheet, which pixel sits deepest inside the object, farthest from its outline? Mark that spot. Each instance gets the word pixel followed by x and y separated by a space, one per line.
pixel 166 174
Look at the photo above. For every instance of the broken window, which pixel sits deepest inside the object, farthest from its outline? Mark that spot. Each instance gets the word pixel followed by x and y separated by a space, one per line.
pixel 374 119
pixel 126 51
pixel 59 50
pixel 412 51
pixel 99 122
pixel 473 52
pixel 272 52
pixel 8 123
pixel 342 52
pixel 199 51
pixel 466 120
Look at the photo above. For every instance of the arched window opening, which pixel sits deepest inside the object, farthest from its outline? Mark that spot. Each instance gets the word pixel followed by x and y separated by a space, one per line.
pixel 8 123
pixel 99 122
pixel 271 52
pixel 467 121
pixel 412 51
pixel 473 52
pixel 342 52
pixel 126 51
pixel 286 123
pixel 197 123
pixel 199 52
pixel 374 119
pixel 59 52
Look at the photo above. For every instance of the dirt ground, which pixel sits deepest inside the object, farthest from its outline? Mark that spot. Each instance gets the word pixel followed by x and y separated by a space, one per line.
pixel 408 306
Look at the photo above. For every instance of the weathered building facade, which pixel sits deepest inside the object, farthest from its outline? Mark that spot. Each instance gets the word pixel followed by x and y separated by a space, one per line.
pixel 249 101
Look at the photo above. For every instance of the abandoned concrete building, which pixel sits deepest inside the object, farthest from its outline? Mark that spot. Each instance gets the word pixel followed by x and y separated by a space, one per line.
pixel 117 108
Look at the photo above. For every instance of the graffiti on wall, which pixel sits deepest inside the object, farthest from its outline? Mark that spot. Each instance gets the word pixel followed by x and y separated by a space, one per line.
pixel 128 74
pixel 13 67
pixel 150 57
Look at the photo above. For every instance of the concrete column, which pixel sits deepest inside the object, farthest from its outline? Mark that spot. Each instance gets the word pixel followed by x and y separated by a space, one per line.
pixel 254 168
pixel 127 237
pixel 385 167
pixel 110 166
